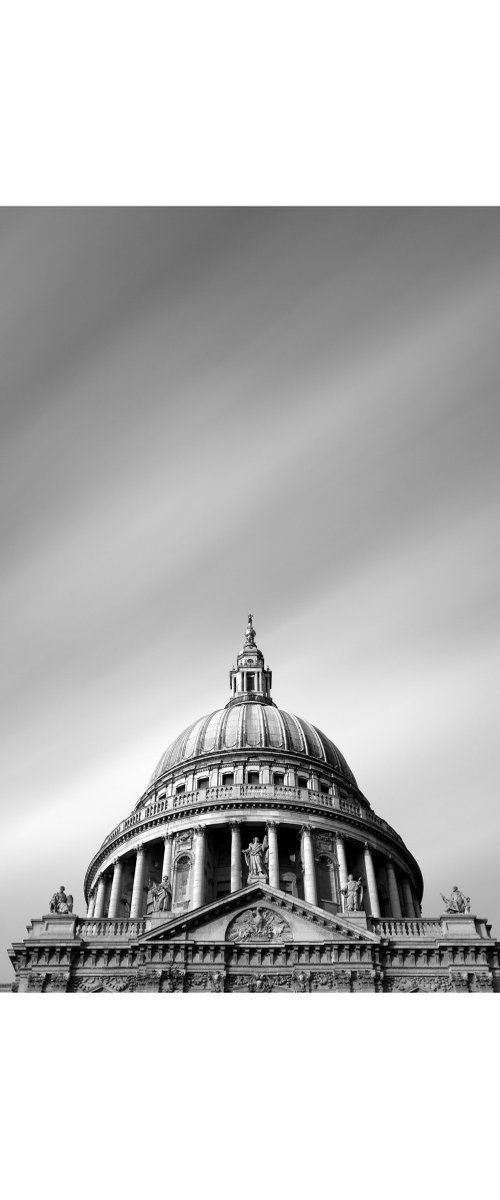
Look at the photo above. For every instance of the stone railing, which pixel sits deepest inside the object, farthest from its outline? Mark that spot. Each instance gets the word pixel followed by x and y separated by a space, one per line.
pixel 407 927
pixel 279 794
pixel 104 927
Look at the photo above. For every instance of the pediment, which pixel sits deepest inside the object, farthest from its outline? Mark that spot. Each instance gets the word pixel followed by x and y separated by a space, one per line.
pixel 255 915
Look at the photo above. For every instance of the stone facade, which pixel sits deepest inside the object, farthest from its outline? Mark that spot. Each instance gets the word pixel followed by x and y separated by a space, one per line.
pixel 258 939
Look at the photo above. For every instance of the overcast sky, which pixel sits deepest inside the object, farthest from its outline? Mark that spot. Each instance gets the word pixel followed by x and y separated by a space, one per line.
pixel 206 412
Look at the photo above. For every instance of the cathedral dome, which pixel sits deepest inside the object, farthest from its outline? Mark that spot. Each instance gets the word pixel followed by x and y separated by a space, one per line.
pixel 251 726
pixel 252 771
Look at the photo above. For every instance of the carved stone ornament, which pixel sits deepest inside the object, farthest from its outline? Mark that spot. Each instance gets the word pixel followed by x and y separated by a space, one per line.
pixel 173 981
pixel 301 980
pixel 258 925
pixel 419 983
pixel 268 983
pixel 98 983
pixel 205 981
pixel 331 981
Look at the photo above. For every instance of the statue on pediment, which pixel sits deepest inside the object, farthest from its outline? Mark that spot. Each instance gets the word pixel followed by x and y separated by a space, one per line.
pixel 352 894
pixel 255 857
pixel 457 902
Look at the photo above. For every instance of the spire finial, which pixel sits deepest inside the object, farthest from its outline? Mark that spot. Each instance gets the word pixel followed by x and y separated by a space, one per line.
pixel 250 632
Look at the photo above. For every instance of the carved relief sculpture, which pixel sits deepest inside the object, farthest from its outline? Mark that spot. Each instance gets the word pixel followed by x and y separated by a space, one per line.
pixel 258 925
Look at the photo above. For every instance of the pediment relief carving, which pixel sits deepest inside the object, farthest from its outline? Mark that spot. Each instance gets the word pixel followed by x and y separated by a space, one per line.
pixel 259 924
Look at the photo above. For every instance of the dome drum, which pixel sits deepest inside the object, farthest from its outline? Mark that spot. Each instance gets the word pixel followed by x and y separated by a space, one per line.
pixel 336 853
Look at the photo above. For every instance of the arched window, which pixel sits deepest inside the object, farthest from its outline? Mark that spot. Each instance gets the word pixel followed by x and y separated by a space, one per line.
pixel 182 869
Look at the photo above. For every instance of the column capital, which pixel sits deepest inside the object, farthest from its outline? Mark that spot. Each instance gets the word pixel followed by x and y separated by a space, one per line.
pixel 340 837
pixel 115 861
pixel 168 837
pixel 367 848
pixel 200 830
pixel 272 824
pixel 309 829
pixel 139 848
pixel 235 824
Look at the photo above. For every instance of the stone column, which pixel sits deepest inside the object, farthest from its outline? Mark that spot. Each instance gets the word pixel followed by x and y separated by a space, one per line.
pixel 310 892
pixel 199 867
pixel 274 865
pixel 408 898
pixel 91 904
pixel 116 887
pixel 167 857
pixel 342 860
pixel 101 892
pixel 372 883
pixel 393 890
pixel 235 856
pixel 138 885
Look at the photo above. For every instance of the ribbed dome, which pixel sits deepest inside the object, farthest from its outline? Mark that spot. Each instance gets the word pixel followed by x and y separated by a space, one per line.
pixel 251 726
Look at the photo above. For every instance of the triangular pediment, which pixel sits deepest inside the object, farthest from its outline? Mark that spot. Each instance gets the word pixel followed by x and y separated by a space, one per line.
pixel 258 914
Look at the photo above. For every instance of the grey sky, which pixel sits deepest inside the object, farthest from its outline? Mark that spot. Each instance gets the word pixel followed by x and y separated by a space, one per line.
pixel 210 411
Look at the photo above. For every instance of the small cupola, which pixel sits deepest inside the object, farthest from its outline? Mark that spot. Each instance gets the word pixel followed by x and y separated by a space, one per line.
pixel 250 679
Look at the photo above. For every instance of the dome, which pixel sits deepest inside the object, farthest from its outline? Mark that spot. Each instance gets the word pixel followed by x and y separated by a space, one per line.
pixel 251 726
pixel 252 774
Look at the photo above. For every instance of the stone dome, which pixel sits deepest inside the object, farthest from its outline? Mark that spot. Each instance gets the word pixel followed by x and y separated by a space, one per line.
pixel 252 771
pixel 252 726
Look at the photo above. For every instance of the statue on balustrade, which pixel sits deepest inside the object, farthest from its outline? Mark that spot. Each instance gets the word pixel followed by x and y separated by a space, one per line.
pixel 256 856
pixel 162 901
pixel 352 894
pixel 61 903
pixel 457 902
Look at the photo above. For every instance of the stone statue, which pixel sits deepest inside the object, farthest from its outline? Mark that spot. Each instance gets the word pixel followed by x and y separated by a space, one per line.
pixel 255 857
pixel 457 902
pixel 353 894
pixel 163 898
pixel 61 903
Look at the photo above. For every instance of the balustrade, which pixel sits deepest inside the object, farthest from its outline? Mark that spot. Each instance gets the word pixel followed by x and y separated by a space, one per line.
pixel 125 927
pixel 418 927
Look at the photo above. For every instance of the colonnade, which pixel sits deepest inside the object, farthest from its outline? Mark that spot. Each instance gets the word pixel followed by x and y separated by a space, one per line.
pixel 409 908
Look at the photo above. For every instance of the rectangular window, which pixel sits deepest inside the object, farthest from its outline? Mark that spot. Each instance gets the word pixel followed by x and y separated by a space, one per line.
pixel 202 783
pixel 253 778
pixel 302 781
pixel 278 779
pixel 324 789
pixel 227 780
pixel 250 683
pixel 180 789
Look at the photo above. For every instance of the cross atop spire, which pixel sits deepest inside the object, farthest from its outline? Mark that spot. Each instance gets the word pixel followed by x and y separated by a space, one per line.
pixel 250 680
